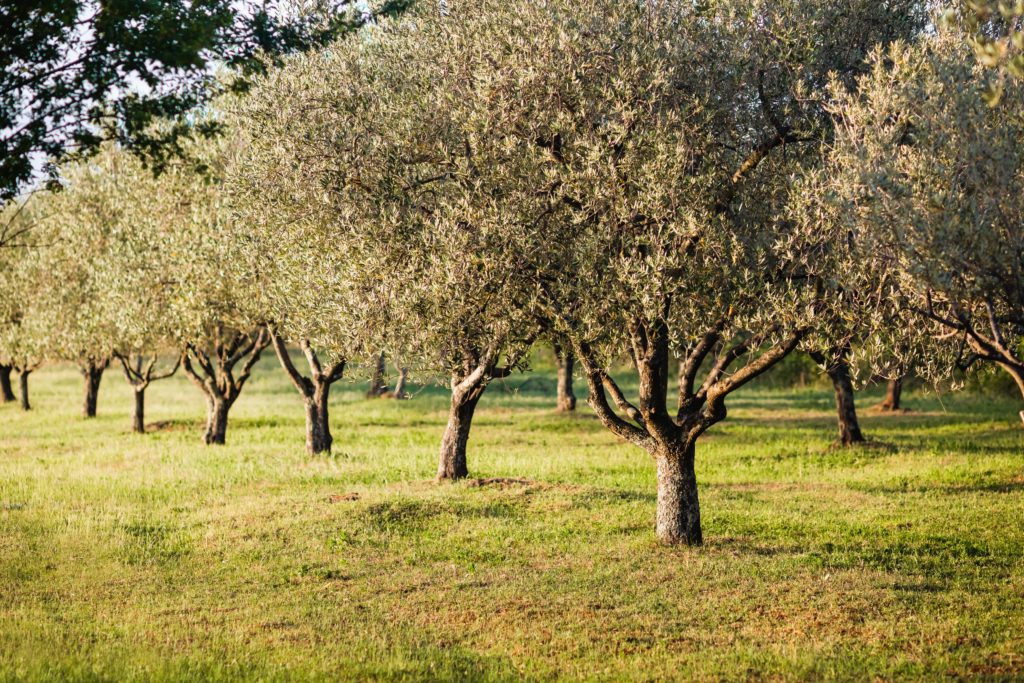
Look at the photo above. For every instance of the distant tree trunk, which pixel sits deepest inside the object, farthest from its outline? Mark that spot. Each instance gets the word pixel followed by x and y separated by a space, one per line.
pixel 893 393
pixel 467 386
pixel 217 409
pixel 377 385
pixel 6 390
pixel 838 370
pixel 566 397
pixel 92 373
pixel 23 385
pixel 403 377
pixel 213 373
pixel 677 519
pixel 140 375
pixel 139 414
pixel 452 463
pixel 315 391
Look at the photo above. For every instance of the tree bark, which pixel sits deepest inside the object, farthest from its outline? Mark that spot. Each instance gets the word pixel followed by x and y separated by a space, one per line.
pixel 139 414
pixel 23 385
pixel 6 390
pixel 92 373
pixel 893 394
pixel 678 513
pixel 1017 372
pixel 566 397
pixel 318 425
pixel 838 371
pixel 216 421
pixel 452 462
pixel 215 373
pixel 849 427
pixel 403 377
pixel 377 385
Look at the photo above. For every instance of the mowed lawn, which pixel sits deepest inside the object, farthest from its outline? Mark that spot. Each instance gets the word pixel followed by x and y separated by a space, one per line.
pixel 127 557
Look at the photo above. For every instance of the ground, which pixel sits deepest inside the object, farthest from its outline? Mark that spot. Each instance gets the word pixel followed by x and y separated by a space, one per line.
pixel 130 557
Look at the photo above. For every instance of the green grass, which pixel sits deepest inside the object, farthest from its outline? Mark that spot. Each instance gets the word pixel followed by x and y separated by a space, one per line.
pixel 126 557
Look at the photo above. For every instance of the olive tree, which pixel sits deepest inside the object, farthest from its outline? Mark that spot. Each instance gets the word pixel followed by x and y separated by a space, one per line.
pixel 424 249
pixel 134 270
pixel 925 175
pixel 24 322
pixel 222 342
pixel 294 257
pixel 670 134
pixel 82 224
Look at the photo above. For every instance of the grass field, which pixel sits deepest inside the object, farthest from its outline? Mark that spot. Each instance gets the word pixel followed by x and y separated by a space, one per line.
pixel 127 557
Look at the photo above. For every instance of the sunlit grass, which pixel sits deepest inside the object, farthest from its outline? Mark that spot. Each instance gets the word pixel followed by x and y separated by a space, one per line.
pixel 126 557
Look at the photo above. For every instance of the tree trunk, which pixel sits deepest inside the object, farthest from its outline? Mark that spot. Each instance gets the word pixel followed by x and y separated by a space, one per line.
pixel 839 373
pixel 93 374
pixel 23 385
pixel 377 386
pixel 678 513
pixel 566 397
pixel 893 393
pixel 1018 376
pixel 403 377
pixel 849 427
pixel 452 463
pixel 318 427
pixel 6 390
pixel 139 415
pixel 216 421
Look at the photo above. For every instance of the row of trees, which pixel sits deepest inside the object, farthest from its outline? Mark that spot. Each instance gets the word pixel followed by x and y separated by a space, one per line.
pixel 711 186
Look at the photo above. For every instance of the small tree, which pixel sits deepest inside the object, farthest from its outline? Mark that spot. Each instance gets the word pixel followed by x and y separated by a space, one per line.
pixel 24 322
pixel 212 314
pixel 925 176
pixel 138 217
pixel 369 144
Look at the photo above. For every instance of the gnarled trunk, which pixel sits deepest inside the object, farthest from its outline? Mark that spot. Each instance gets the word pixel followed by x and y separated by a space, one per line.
pixel 678 513
pixel 92 373
pixel 452 462
pixel 216 420
pixel 23 386
pixel 216 375
pixel 566 397
pixel 893 394
pixel 6 390
pixel 318 426
pixel 139 414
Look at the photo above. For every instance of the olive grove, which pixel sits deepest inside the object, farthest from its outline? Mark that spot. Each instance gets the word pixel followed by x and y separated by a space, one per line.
pixel 677 196
pixel 925 175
